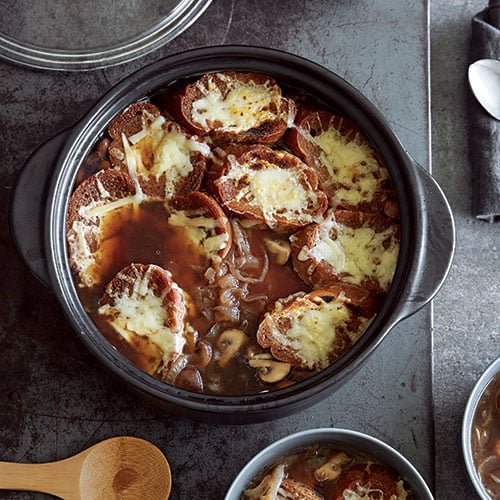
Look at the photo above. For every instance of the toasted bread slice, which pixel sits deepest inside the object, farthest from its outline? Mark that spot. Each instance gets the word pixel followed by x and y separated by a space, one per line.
pixel 166 160
pixel 350 171
pixel 143 301
pixel 295 490
pixel 368 481
pixel 234 107
pixel 207 226
pixel 354 247
pixel 93 199
pixel 270 186
pixel 311 331
pixel 131 120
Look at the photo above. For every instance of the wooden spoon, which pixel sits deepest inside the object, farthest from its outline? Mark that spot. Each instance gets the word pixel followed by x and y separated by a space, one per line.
pixel 119 468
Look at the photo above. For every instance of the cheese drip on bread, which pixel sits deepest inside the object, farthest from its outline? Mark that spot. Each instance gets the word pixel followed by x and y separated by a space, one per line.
pixel 201 232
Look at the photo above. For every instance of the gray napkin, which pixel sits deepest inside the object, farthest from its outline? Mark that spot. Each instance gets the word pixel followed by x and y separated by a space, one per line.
pixel 484 130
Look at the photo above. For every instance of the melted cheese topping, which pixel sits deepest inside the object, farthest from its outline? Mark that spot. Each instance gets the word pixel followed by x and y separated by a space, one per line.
pixel 359 253
pixel 313 329
pixel 81 255
pixel 245 106
pixel 351 165
pixel 141 312
pixel 161 150
pixel 200 232
pixel 274 190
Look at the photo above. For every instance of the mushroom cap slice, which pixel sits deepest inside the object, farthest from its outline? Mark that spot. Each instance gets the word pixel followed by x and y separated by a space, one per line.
pixel 332 469
pixel 270 371
pixel 229 343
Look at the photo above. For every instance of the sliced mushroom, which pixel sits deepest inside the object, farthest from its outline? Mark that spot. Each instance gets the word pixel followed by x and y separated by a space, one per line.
pixel 202 354
pixel 279 250
pixel 229 343
pixel 270 371
pixel 391 208
pixel 190 378
pixel 331 470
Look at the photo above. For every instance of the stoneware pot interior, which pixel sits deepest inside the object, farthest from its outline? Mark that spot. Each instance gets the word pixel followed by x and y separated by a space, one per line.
pixel 416 192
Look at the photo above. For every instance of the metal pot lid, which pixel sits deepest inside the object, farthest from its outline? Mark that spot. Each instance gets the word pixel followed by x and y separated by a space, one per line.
pixel 89 34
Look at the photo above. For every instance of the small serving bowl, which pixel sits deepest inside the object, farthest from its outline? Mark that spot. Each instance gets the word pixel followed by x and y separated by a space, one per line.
pixel 351 440
pixel 470 409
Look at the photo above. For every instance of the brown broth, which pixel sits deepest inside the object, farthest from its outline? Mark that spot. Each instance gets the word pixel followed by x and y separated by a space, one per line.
pixel 486 438
pixel 142 234
pixel 301 465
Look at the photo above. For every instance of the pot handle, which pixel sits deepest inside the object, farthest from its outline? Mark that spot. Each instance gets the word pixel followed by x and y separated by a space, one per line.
pixel 27 206
pixel 435 254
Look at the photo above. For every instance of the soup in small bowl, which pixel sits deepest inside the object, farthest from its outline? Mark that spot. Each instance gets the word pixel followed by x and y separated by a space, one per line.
pixel 481 434
pixel 336 464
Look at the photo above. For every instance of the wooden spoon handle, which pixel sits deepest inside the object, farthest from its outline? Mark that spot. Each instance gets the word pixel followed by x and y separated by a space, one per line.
pixel 55 478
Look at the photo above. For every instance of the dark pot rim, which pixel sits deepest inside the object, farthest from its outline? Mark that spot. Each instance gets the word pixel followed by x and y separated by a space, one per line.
pixel 410 289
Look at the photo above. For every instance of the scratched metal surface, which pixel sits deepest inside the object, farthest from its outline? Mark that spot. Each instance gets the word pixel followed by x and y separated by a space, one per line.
pixel 54 398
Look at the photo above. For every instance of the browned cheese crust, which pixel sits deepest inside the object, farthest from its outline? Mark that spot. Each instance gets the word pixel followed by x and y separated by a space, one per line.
pixel 139 116
pixel 315 269
pixel 273 332
pixel 233 187
pixel 82 228
pixel 267 129
pixel 367 176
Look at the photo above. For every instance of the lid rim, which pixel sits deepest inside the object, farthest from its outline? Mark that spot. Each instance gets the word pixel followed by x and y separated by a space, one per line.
pixel 162 32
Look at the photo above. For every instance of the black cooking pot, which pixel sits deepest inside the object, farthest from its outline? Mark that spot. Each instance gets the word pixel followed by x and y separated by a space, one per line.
pixel 43 188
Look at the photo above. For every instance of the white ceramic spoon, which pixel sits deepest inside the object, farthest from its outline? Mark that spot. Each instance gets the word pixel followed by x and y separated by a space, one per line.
pixel 484 80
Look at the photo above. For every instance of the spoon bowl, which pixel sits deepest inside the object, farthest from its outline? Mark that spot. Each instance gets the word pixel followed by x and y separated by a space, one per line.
pixel 117 468
pixel 484 80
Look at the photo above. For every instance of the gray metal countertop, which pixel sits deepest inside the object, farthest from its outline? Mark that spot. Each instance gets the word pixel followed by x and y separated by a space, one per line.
pixel 54 398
